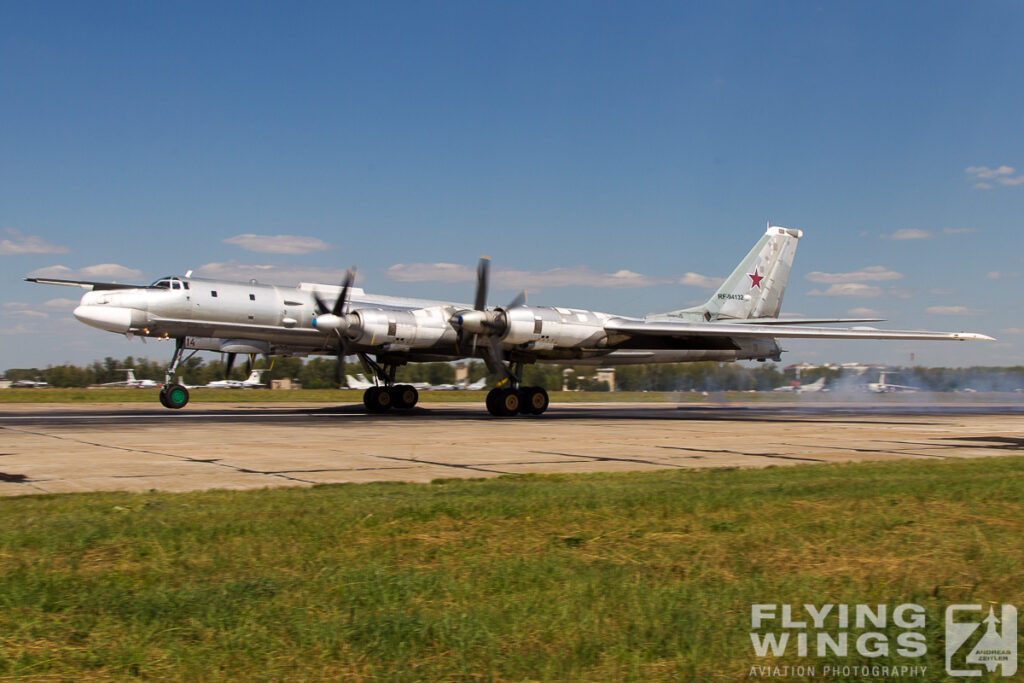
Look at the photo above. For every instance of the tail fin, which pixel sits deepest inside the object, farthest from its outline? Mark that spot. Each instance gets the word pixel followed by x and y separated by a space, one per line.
pixel 755 288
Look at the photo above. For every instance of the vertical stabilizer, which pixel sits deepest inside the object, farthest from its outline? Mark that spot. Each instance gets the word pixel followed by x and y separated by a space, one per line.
pixel 756 287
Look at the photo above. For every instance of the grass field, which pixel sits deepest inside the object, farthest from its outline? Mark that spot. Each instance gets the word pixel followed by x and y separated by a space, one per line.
pixel 121 395
pixel 640 576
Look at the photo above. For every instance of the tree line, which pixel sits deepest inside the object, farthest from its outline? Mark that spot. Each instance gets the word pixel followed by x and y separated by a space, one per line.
pixel 319 373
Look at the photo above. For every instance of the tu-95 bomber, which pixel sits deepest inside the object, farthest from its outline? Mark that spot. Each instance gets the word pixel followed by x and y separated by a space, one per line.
pixel 739 322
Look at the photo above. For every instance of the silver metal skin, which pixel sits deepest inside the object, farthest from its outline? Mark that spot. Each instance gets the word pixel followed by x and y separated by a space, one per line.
pixel 739 322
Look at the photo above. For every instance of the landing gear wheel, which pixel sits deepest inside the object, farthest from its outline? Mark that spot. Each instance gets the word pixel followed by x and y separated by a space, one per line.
pixel 404 396
pixel 492 402
pixel 533 400
pixel 503 402
pixel 377 400
pixel 174 396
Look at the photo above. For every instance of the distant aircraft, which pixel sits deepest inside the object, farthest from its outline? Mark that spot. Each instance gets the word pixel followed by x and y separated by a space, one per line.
pixel 359 382
pixel 29 384
pixel 739 322
pixel 131 382
pixel 812 388
pixel 251 382
pixel 883 387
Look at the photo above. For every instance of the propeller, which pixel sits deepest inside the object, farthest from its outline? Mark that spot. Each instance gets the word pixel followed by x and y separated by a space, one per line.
pixel 489 324
pixel 333 318
pixel 230 364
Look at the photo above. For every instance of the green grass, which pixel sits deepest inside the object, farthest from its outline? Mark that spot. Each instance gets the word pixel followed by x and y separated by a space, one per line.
pixel 640 576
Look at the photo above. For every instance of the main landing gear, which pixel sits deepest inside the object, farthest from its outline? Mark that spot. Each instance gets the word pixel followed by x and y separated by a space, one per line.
pixel 174 395
pixel 515 399
pixel 383 399
pixel 380 399
pixel 524 400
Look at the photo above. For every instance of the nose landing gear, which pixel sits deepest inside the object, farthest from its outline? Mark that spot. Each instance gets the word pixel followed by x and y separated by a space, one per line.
pixel 173 395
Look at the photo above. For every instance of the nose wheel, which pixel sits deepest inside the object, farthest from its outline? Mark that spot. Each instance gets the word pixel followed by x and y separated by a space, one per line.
pixel 174 396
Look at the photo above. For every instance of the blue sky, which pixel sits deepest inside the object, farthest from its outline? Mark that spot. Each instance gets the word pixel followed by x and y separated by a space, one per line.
pixel 143 139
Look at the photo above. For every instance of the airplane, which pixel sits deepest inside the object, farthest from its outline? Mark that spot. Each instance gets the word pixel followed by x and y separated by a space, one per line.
pixel 29 384
pixel 131 382
pixel 251 382
pixel 812 388
pixel 739 322
pixel 359 382
pixel 883 387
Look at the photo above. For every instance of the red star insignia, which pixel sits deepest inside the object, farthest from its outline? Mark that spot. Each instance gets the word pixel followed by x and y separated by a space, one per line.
pixel 755 279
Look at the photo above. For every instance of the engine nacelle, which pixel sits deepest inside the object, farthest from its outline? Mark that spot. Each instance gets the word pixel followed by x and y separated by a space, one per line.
pixel 544 326
pixel 419 328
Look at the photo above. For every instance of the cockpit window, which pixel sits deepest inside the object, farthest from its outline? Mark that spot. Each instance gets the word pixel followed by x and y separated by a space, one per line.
pixel 175 285
pixel 162 284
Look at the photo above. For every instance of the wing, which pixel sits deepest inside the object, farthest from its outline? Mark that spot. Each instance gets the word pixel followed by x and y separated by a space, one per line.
pixel 644 328
pixel 84 284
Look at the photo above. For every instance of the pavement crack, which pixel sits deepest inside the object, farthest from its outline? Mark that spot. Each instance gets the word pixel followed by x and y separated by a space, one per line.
pixel 608 458
pixel 183 458
pixel 476 468
pixel 741 453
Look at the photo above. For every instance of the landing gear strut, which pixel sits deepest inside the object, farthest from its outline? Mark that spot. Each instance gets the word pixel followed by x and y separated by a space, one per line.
pixel 380 399
pixel 516 399
pixel 175 395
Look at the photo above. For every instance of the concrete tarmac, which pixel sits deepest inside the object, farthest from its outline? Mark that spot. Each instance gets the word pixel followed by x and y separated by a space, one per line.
pixel 60 448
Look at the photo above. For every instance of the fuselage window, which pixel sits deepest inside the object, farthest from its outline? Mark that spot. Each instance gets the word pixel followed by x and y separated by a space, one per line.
pixel 213 293
pixel 252 297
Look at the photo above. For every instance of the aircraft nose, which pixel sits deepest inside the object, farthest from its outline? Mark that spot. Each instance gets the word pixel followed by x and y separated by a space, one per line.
pixel 109 318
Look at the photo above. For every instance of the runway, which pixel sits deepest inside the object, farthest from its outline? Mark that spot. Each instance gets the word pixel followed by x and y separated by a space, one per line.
pixel 59 448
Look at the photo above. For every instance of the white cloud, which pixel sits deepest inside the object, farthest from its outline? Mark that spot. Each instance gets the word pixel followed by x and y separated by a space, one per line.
pixel 61 304
pixel 996 275
pixel 949 310
pixel 864 313
pixel 868 274
pixel 509 278
pixel 276 274
pixel 850 289
pixel 1003 175
pixel 17 309
pixel 909 234
pixel 959 231
pixel 941 292
pixel 698 280
pixel 28 244
pixel 989 173
pixel 107 271
pixel 278 244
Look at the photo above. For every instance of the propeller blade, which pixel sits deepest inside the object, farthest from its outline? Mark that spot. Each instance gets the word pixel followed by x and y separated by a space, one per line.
pixel 248 364
pixel 230 364
pixel 482 275
pixel 321 307
pixel 339 367
pixel 494 358
pixel 346 284
pixel 519 300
